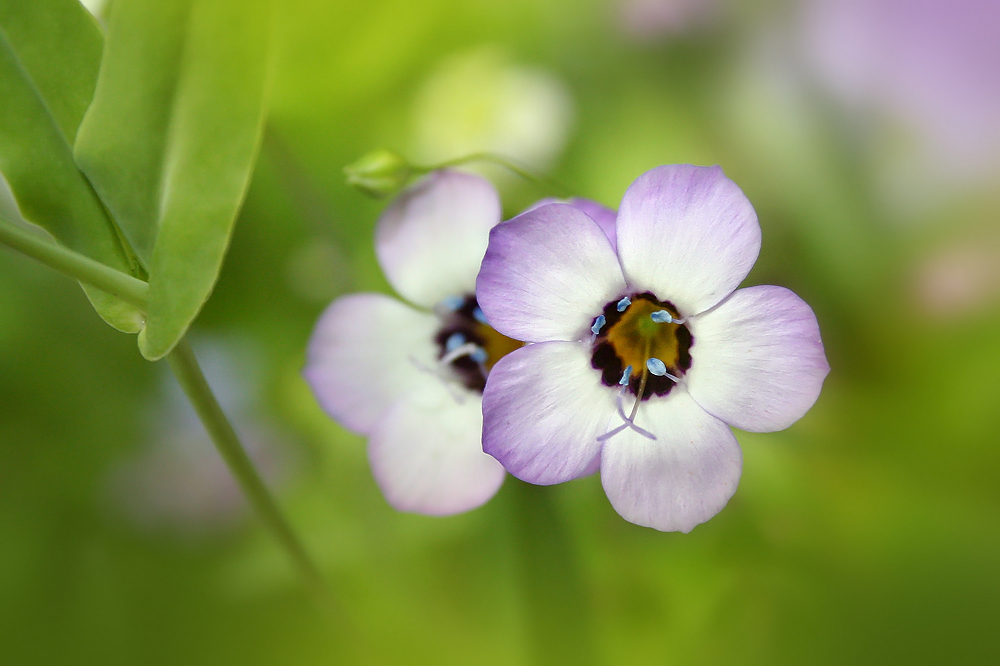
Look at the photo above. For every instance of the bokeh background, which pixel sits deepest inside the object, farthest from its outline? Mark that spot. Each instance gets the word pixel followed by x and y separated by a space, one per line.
pixel 867 136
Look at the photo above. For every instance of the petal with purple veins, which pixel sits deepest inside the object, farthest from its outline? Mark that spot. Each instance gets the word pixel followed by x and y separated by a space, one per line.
pixel 688 234
pixel 683 477
pixel 604 216
pixel 547 273
pixel 757 361
pixel 543 409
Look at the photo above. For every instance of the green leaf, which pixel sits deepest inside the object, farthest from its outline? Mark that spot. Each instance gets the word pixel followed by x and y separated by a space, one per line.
pixel 170 142
pixel 50 51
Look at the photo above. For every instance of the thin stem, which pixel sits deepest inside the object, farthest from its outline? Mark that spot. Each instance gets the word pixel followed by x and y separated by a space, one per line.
pixel 505 162
pixel 185 366
pixel 558 620
pixel 124 286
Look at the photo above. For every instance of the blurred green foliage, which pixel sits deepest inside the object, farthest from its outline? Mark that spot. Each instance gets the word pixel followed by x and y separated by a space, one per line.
pixel 869 532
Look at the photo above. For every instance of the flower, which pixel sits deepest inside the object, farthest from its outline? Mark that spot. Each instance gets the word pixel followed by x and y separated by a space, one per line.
pixel 412 379
pixel 923 69
pixel 643 353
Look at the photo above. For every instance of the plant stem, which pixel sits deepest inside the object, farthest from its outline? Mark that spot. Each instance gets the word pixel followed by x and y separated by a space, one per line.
pixel 185 366
pixel 505 162
pixel 124 286
pixel 557 616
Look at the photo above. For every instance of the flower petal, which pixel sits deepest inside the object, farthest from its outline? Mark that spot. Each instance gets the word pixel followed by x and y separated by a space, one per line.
pixel 757 361
pixel 688 235
pixel 431 240
pixel 547 273
pixel 604 216
pixel 543 409
pixel 362 355
pixel 427 455
pixel 683 477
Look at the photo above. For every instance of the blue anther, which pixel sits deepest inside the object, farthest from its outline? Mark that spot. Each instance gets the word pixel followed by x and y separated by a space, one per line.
pixel 479 355
pixel 656 366
pixel 453 303
pixel 598 324
pixel 662 317
pixel 624 303
pixel 479 315
pixel 625 376
pixel 454 341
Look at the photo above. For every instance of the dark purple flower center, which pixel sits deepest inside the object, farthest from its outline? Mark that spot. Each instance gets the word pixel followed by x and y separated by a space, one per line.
pixel 467 343
pixel 642 343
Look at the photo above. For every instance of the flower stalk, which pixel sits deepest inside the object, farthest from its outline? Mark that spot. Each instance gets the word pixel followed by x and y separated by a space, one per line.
pixel 559 623
pixel 130 289
pixel 185 367
pixel 383 173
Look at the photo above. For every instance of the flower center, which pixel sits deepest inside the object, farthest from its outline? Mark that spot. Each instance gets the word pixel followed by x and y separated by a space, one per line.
pixel 642 345
pixel 467 343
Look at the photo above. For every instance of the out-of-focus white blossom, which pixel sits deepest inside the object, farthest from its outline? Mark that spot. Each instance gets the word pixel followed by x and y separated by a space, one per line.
pixel 482 102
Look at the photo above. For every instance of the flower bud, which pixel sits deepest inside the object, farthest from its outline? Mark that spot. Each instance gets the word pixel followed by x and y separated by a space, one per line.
pixel 379 174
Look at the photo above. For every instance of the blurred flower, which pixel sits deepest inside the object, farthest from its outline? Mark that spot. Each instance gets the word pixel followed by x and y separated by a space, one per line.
pixel 411 379
pixel 605 331
pixel 926 71
pixel 653 19
pixel 480 102
pixel 179 482
pixel 959 280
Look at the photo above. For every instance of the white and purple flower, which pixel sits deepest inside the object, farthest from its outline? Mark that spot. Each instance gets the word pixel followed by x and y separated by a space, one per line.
pixel 644 352
pixel 411 379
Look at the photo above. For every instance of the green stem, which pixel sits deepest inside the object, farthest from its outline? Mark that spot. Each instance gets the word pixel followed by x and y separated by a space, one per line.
pixel 124 286
pixel 557 616
pixel 185 366
pixel 505 162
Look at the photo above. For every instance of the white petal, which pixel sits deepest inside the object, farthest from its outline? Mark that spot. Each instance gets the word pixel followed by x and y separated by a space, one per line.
pixel 547 274
pixel 683 477
pixel 688 235
pixel 427 455
pixel 431 240
pixel 543 409
pixel 757 361
pixel 363 355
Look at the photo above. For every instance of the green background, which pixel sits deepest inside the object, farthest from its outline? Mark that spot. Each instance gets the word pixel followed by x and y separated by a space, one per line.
pixel 868 532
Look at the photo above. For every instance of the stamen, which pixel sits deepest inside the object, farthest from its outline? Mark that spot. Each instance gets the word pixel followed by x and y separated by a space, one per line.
pixel 454 341
pixel 659 368
pixel 479 355
pixel 624 303
pixel 630 419
pixel 453 303
pixel 598 324
pixel 480 316
pixel 468 349
pixel 664 317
